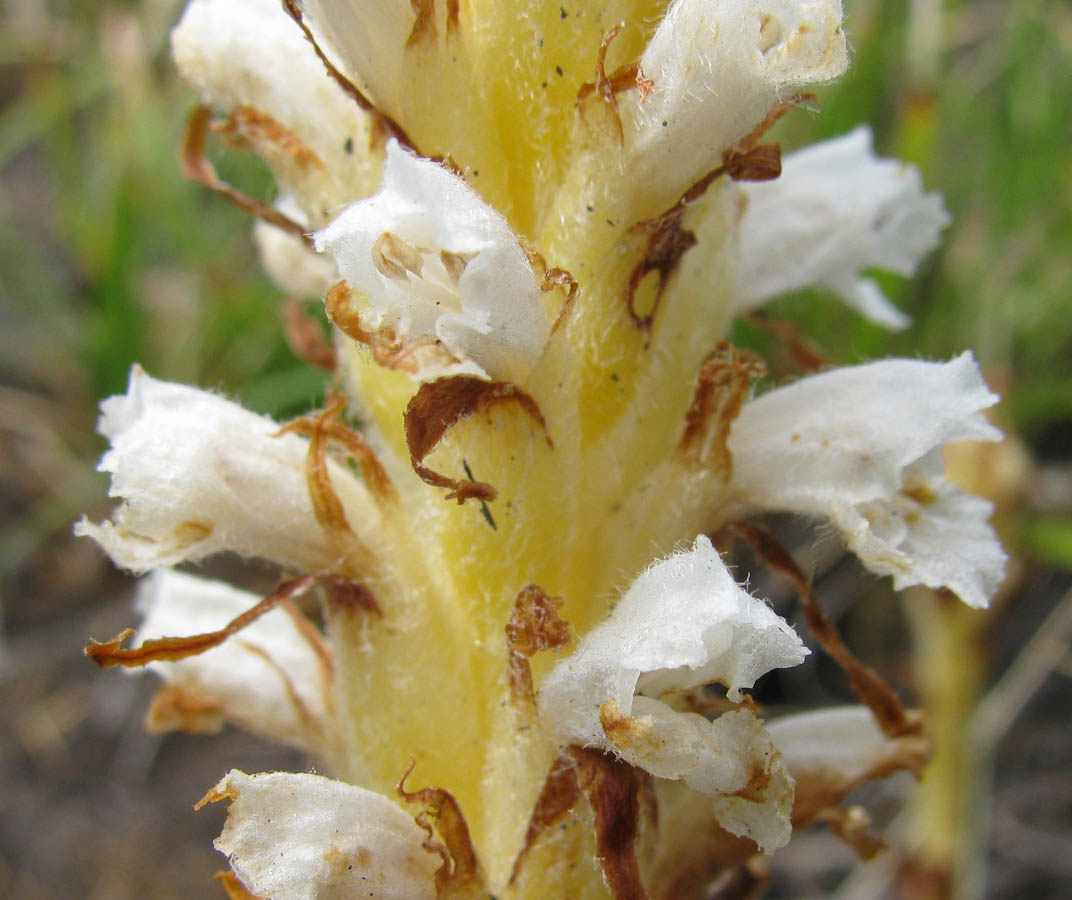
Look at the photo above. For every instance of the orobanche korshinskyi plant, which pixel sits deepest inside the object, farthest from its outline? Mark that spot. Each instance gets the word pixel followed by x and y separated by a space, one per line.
pixel 532 224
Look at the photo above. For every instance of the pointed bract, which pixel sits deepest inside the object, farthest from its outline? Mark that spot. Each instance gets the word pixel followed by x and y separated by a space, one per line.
pixel 271 678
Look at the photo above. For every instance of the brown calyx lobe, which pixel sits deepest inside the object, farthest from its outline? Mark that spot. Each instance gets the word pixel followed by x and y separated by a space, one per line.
pixel 305 337
pixel 552 277
pixel 722 386
pixel 534 625
pixel 111 653
pixel 234 888
pixel 613 789
pixel 439 405
pixel 260 129
pixel 559 793
pixel 196 167
pixel 387 350
pixel 607 87
pixel 461 869
pixel 325 431
pixel 667 240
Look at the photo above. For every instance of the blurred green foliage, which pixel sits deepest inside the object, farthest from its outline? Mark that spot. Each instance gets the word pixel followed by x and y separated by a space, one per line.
pixel 108 257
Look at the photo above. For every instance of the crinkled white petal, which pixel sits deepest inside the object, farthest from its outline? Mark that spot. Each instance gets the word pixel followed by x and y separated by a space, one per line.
pixel 305 837
pixel 250 53
pixel 438 264
pixel 731 759
pixel 842 743
pixel 718 68
pixel 268 678
pixel 862 447
pixel 199 474
pixel 836 210
pixel 682 623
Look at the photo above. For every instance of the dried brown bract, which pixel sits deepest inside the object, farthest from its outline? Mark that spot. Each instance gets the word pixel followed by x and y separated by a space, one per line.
pixel 233 887
pixel 613 789
pixel 722 386
pixel 109 654
pixel 196 167
pixel 327 430
pixel 170 649
pixel 534 625
pixel 460 871
pixel 261 130
pixel 667 243
pixel 607 87
pixel 305 337
pixel 441 404
pixel 558 795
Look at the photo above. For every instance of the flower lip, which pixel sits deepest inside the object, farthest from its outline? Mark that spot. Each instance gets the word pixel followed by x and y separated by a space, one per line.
pixel 861 446
pixel 439 266
pixel 682 623
pixel 836 210
pixel 199 475
pixel 337 840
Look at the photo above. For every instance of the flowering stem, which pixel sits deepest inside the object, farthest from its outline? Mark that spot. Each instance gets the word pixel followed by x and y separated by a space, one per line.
pixel 950 666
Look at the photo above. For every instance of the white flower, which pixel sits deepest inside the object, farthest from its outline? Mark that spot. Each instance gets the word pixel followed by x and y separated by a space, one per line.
pixel 841 747
pixel 683 623
pixel 304 837
pixel 862 446
pixel 199 474
pixel 273 678
pixel 836 210
pixel 439 266
pixel 718 69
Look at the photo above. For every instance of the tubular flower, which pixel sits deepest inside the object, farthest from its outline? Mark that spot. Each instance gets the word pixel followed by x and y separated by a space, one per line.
pixel 531 226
